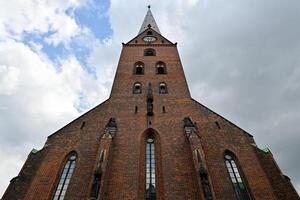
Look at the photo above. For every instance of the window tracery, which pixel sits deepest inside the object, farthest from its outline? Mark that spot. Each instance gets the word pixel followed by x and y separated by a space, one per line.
pixel 150 169
pixel 236 179
pixel 65 178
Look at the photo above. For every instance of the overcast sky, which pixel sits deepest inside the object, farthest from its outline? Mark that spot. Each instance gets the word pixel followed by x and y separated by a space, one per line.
pixel 57 60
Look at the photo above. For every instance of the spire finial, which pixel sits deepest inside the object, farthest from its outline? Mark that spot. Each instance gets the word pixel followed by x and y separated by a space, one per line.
pixel 149 22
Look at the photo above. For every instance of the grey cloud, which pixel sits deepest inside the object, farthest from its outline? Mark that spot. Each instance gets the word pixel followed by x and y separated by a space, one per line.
pixel 241 59
pixel 245 57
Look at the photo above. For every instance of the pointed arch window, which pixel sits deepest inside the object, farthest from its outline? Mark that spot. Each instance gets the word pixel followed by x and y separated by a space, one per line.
pixel 65 178
pixel 149 52
pixel 139 68
pixel 161 68
pixel 137 88
pixel 150 169
pixel 235 177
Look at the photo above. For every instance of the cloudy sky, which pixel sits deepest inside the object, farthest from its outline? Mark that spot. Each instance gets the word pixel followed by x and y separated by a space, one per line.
pixel 58 58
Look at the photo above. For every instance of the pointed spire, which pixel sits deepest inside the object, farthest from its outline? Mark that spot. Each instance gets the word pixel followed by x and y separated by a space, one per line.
pixel 149 21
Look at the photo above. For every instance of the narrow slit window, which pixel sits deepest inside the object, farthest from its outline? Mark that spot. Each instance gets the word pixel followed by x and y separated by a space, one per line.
pixel 102 156
pixel 218 125
pixel 150 169
pixel 236 179
pixel 197 153
pixel 65 178
pixel 82 125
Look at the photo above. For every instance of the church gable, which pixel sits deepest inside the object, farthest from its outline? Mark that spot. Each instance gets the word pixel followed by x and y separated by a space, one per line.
pixel 80 122
pixel 217 116
pixel 148 37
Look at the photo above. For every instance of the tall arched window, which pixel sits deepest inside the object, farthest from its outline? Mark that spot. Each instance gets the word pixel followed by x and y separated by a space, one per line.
pixel 150 169
pixel 139 68
pixel 161 68
pixel 236 179
pixel 149 52
pixel 137 88
pixel 65 178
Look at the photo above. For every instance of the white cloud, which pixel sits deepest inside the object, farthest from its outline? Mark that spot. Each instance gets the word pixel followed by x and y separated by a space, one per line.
pixel 12 164
pixel 37 89
pixel 19 16
pixel 9 76
pixel 36 99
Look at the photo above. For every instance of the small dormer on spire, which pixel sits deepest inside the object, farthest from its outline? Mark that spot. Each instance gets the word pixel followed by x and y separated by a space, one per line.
pixel 149 22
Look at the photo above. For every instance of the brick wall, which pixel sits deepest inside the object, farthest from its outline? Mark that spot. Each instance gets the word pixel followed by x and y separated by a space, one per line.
pixel 177 177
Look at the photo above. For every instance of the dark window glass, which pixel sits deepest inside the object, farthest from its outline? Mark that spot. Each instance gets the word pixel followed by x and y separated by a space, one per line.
pixel 163 88
pixel 149 52
pixel 150 169
pixel 137 88
pixel 139 68
pixel 149 33
pixel 236 179
pixel 65 178
pixel 161 68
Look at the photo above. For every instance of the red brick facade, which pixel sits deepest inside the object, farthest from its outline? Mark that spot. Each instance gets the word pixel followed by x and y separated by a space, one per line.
pixel 113 166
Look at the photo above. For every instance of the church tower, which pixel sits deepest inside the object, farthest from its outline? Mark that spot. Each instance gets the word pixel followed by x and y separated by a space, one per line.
pixel 150 141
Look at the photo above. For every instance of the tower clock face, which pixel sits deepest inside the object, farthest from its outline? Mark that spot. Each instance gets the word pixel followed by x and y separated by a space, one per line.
pixel 149 39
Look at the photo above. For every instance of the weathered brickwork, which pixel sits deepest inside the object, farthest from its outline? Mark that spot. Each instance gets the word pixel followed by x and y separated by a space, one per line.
pixel 124 165
pixel 282 187
pixel 19 185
